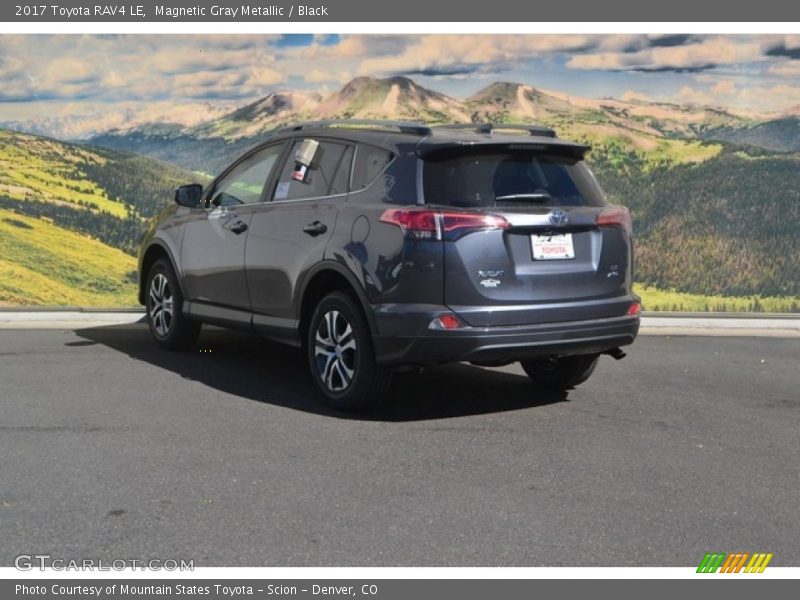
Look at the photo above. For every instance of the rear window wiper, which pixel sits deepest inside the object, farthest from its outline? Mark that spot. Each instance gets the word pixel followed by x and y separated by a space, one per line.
pixel 531 196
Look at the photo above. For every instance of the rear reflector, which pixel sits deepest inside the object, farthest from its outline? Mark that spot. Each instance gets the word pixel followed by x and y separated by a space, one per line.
pixel 423 223
pixel 615 216
pixel 634 309
pixel 446 322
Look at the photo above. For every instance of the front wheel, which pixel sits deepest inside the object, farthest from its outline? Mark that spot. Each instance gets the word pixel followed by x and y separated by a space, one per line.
pixel 341 356
pixel 560 373
pixel 170 328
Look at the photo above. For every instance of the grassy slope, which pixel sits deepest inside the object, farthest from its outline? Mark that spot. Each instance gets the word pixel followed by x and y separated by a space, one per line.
pixel 725 227
pixel 35 167
pixel 655 299
pixel 71 217
pixel 628 148
pixel 629 155
pixel 43 264
pixel 40 262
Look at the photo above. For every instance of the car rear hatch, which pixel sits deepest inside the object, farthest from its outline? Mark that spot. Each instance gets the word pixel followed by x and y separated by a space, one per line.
pixel 528 237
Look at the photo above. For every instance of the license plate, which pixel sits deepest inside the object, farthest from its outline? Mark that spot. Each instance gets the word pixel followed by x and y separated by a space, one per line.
pixel 552 247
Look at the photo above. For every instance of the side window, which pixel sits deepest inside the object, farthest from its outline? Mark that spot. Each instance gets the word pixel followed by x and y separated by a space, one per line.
pixel 245 184
pixel 370 162
pixel 327 175
pixel 341 181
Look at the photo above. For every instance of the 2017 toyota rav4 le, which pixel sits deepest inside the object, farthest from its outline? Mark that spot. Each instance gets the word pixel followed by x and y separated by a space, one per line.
pixel 385 245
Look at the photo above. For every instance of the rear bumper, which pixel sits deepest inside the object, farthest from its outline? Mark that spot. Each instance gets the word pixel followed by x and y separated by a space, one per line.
pixel 490 344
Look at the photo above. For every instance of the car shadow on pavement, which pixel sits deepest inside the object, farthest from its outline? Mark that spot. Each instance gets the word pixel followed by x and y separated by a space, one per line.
pixel 249 367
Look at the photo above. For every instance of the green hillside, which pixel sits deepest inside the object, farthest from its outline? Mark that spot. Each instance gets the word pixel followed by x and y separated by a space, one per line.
pixel 71 219
pixel 39 168
pixel 655 299
pixel 725 226
pixel 778 135
pixel 206 154
pixel 717 226
pixel 43 264
pixel 103 193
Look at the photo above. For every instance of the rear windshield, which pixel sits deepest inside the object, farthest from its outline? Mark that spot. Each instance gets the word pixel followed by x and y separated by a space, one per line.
pixel 503 177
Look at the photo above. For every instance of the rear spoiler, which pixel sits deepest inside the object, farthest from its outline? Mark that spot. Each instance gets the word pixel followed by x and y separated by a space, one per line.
pixel 434 150
pixel 490 128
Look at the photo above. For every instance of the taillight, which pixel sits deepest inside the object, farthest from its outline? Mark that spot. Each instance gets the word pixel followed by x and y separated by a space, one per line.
pixel 615 216
pixel 634 309
pixel 422 223
pixel 446 322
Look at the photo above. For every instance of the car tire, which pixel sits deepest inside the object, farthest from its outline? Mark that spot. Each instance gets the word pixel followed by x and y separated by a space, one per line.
pixel 164 303
pixel 560 373
pixel 341 355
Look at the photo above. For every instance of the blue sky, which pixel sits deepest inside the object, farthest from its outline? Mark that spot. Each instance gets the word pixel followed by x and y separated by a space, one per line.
pixel 74 75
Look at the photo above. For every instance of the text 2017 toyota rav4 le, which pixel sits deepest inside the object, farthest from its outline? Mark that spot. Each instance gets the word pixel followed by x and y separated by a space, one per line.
pixel 383 245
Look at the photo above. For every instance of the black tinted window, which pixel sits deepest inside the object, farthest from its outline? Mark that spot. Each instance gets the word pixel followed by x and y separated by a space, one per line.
pixel 327 174
pixel 370 162
pixel 483 178
pixel 342 178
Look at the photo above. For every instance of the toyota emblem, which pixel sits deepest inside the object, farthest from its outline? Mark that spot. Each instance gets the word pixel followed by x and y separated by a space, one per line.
pixel 558 217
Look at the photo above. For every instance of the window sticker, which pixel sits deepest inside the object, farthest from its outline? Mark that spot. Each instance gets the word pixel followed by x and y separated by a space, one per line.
pixel 299 172
pixel 282 191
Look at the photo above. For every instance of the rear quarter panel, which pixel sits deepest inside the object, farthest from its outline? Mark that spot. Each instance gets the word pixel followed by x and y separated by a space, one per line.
pixel 390 267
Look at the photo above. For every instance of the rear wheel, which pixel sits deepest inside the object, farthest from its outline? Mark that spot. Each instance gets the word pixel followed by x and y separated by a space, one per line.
pixel 170 328
pixel 560 373
pixel 341 356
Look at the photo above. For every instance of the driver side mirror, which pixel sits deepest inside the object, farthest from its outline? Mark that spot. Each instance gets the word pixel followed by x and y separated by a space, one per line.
pixel 189 195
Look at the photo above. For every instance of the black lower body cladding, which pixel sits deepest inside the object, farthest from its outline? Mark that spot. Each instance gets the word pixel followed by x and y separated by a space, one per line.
pixel 429 346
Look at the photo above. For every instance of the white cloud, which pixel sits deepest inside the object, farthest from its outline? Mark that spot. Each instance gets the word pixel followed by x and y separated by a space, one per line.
pixel 631 96
pixel 690 95
pixel 789 69
pixel 746 99
pixel 777 98
pixel 131 67
pixel 263 76
pixel 82 70
pixel 326 76
pixel 724 87
pixel 356 47
pixel 461 52
pixel 697 55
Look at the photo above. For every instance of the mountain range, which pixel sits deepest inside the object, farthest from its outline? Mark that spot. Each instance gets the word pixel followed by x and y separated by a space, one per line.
pixel 634 125
pixel 98 121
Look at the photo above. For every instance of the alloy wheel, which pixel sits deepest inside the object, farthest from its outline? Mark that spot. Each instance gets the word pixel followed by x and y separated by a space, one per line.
pixel 335 351
pixel 161 305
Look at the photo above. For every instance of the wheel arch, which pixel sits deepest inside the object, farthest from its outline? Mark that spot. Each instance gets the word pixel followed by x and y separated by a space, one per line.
pixel 324 278
pixel 154 252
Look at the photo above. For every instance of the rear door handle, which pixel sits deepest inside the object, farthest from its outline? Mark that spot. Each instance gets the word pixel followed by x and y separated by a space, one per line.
pixel 238 227
pixel 316 228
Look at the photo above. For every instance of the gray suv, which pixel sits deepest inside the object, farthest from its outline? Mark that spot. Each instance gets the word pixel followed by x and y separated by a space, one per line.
pixel 378 246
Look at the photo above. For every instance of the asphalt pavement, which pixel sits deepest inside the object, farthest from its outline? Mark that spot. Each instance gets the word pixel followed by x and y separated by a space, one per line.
pixel 112 448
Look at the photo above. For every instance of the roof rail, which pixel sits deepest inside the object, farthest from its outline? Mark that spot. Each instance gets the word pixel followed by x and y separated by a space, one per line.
pixel 401 126
pixel 534 130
